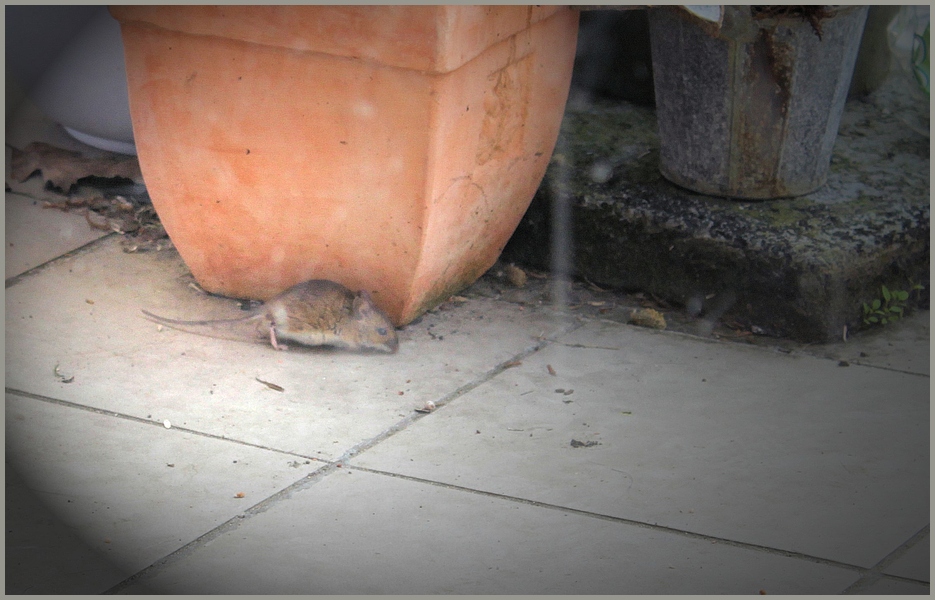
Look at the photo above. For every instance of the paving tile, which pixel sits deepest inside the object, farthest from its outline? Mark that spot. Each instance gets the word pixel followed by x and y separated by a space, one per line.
pixel 902 346
pixel 404 537
pixel 43 556
pixel 916 563
pixel 332 400
pixel 36 235
pixel 790 452
pixel 894 587
pixel 134 492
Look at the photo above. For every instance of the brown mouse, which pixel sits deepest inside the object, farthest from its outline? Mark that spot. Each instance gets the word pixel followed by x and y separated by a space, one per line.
pixel 314 313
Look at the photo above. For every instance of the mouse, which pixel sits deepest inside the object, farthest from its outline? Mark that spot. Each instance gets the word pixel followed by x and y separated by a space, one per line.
pixel 312 313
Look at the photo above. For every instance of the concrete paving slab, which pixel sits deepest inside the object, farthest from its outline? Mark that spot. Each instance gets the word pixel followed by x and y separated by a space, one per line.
pixel 886 586
pixel 132 491
pixel 794 453
pixel 363 533
pixel 39 545
pixel 797 267
pixel 331 401
pixel 904 345
pixel 916 563
pixel 36 235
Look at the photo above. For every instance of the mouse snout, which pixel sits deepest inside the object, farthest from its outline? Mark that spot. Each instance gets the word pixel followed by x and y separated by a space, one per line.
pixel 389 340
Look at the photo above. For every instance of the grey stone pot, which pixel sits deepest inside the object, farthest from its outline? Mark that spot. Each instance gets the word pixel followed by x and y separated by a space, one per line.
pixel 753 110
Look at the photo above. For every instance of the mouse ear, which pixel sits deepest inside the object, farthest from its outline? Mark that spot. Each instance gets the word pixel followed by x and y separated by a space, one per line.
pixel 362 299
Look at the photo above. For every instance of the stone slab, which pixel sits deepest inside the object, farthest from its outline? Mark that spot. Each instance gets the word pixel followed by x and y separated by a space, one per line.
pixel 790 452
pixel 356 532
pixel 330 401
pixel 799 267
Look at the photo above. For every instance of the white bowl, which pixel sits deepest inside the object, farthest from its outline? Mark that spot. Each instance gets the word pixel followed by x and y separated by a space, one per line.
pixel 85 88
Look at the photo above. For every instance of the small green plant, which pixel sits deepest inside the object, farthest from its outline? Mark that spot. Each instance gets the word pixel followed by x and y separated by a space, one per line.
pixel 889 308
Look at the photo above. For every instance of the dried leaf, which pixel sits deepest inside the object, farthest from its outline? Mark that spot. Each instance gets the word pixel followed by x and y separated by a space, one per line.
pixel 593 286
pixel 272 386
pixel 648 317
pixel 515 275
pixel 578 444
pixel 63 168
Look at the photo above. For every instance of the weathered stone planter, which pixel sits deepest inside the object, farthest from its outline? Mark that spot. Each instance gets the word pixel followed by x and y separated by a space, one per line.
pixel 392 149
pixel 753 111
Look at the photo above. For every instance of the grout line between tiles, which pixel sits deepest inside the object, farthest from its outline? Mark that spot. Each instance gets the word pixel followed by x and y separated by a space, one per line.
pixel 899 579
pixel 875 573
pixel 866 576
pixel 882 368
pixel 803 351
pixel 451 396
pixel 229 525
pixel 80 250
pixel 330 467
pixel 154 423
pixel 871 366
pixel 624 521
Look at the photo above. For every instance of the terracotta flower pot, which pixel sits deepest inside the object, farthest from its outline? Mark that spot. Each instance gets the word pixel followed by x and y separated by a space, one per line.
pixel 392 149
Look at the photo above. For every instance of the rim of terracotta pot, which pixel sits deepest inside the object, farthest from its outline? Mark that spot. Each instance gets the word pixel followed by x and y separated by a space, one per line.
pixel 423 38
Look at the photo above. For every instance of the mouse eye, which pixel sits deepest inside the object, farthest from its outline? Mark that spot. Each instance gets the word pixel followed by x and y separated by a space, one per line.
pixel 381 330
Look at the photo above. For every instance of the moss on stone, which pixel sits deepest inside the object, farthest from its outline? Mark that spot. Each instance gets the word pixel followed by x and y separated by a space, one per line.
pixel 800 267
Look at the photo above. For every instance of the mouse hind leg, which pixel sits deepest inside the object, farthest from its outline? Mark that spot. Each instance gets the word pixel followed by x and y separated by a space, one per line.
pixel 273 340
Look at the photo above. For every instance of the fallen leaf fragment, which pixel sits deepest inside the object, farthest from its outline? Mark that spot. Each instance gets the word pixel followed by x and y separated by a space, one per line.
pixel 515 275
pixel 648 317
pixel 593 286
pixel 63 168
pixel 61 377
pixel 271 386
pixel 577 444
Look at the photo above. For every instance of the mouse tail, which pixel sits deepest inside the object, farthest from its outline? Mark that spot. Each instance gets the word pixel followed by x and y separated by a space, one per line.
pixel 239 329
pixel 168 321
